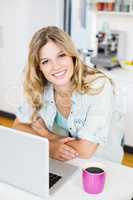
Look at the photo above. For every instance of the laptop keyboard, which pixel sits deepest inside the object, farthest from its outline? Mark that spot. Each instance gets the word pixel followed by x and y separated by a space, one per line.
pixel 53 178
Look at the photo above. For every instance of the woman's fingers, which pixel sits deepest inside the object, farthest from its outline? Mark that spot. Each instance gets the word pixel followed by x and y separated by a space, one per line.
pixel 65 156
pixel 67 139
pixel 38 124
pixel 41 122
pixel 61 151
pixel 68 153
pixel 70 150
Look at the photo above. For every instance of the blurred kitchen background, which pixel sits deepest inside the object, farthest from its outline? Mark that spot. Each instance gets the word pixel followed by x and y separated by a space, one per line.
pixel 101 29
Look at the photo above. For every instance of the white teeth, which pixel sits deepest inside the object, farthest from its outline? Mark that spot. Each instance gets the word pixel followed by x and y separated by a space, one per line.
pixel 60 73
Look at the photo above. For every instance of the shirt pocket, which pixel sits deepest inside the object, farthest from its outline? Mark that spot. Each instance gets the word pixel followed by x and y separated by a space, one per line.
pixel 78 123
pixel 80 118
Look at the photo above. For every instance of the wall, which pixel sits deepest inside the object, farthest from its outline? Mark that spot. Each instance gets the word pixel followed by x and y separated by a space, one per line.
pixel 81 24
pixel 18 21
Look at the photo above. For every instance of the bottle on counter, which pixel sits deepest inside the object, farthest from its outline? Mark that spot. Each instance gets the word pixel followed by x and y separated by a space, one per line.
pixel 121 5
pixel 126 6
pixel 117 5
pixel 100 5
pixel 111 5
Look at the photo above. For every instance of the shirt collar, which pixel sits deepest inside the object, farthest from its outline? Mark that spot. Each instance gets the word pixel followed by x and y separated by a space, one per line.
pixel 49 94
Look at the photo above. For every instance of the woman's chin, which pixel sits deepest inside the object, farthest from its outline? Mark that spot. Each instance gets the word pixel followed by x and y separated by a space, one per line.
pixel 61 82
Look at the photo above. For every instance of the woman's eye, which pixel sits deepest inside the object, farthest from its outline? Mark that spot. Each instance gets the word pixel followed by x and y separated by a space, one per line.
pixel 62 55
pixel 44 62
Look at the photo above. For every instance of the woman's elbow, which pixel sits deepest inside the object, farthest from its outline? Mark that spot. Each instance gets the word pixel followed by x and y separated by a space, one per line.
pixel 16 123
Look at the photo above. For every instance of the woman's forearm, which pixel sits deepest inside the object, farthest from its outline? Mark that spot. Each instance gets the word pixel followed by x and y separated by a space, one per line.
pixel 28 128
pixel 24 127
pixel 84 148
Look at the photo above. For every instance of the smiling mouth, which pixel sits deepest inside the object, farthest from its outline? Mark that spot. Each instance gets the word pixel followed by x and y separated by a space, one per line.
pixel 60 74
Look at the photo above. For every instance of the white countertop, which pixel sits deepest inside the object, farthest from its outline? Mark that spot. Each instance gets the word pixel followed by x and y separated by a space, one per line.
pixel 119 185
pixel 119 74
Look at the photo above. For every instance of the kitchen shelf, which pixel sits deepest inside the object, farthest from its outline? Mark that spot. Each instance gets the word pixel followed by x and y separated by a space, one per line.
pixel 101 9
pixel 114 13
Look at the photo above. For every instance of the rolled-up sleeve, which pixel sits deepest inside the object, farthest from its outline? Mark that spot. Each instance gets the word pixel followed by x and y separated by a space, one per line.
pixel 97 124
pixel 24 112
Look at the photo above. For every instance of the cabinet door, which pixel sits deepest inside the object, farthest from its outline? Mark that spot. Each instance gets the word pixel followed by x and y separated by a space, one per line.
pixel 123 80
pixel 129 116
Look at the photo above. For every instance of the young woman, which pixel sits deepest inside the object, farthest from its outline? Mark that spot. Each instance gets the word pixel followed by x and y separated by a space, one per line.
pixel 68 102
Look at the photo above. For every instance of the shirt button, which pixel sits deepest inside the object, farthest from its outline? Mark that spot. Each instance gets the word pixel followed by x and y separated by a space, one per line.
pixel 52 102
pixel 70 128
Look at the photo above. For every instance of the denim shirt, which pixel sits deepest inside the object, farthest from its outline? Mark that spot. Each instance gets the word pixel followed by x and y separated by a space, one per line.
pixel 92 117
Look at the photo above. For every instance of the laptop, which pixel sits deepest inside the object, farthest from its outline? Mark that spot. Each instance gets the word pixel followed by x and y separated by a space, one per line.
pixel 25 163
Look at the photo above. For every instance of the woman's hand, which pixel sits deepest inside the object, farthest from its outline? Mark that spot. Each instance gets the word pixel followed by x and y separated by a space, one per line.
pixel 39 126
pixel 61 151
pixel 58 149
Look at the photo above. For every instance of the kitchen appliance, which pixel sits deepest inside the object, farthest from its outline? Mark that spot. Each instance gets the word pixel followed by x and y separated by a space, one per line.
pixel 111 48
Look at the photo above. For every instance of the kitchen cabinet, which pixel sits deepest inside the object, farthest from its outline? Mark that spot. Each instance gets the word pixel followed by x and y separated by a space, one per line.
pixel 123 80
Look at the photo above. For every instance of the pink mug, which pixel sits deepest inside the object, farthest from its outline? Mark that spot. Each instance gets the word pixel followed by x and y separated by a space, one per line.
pixel 93 179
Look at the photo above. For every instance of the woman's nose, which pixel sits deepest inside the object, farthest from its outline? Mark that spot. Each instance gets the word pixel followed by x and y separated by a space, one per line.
pixel 55 64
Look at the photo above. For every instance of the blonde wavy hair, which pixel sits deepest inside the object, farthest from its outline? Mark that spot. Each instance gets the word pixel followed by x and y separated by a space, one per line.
pixel 35 82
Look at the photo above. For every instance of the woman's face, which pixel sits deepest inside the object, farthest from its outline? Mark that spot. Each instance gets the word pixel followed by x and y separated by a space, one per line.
pixel 55 64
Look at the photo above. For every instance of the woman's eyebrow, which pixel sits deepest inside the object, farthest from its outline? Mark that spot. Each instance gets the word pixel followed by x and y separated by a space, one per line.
pixel 60 52
pixel 48 58
pixel 43 59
